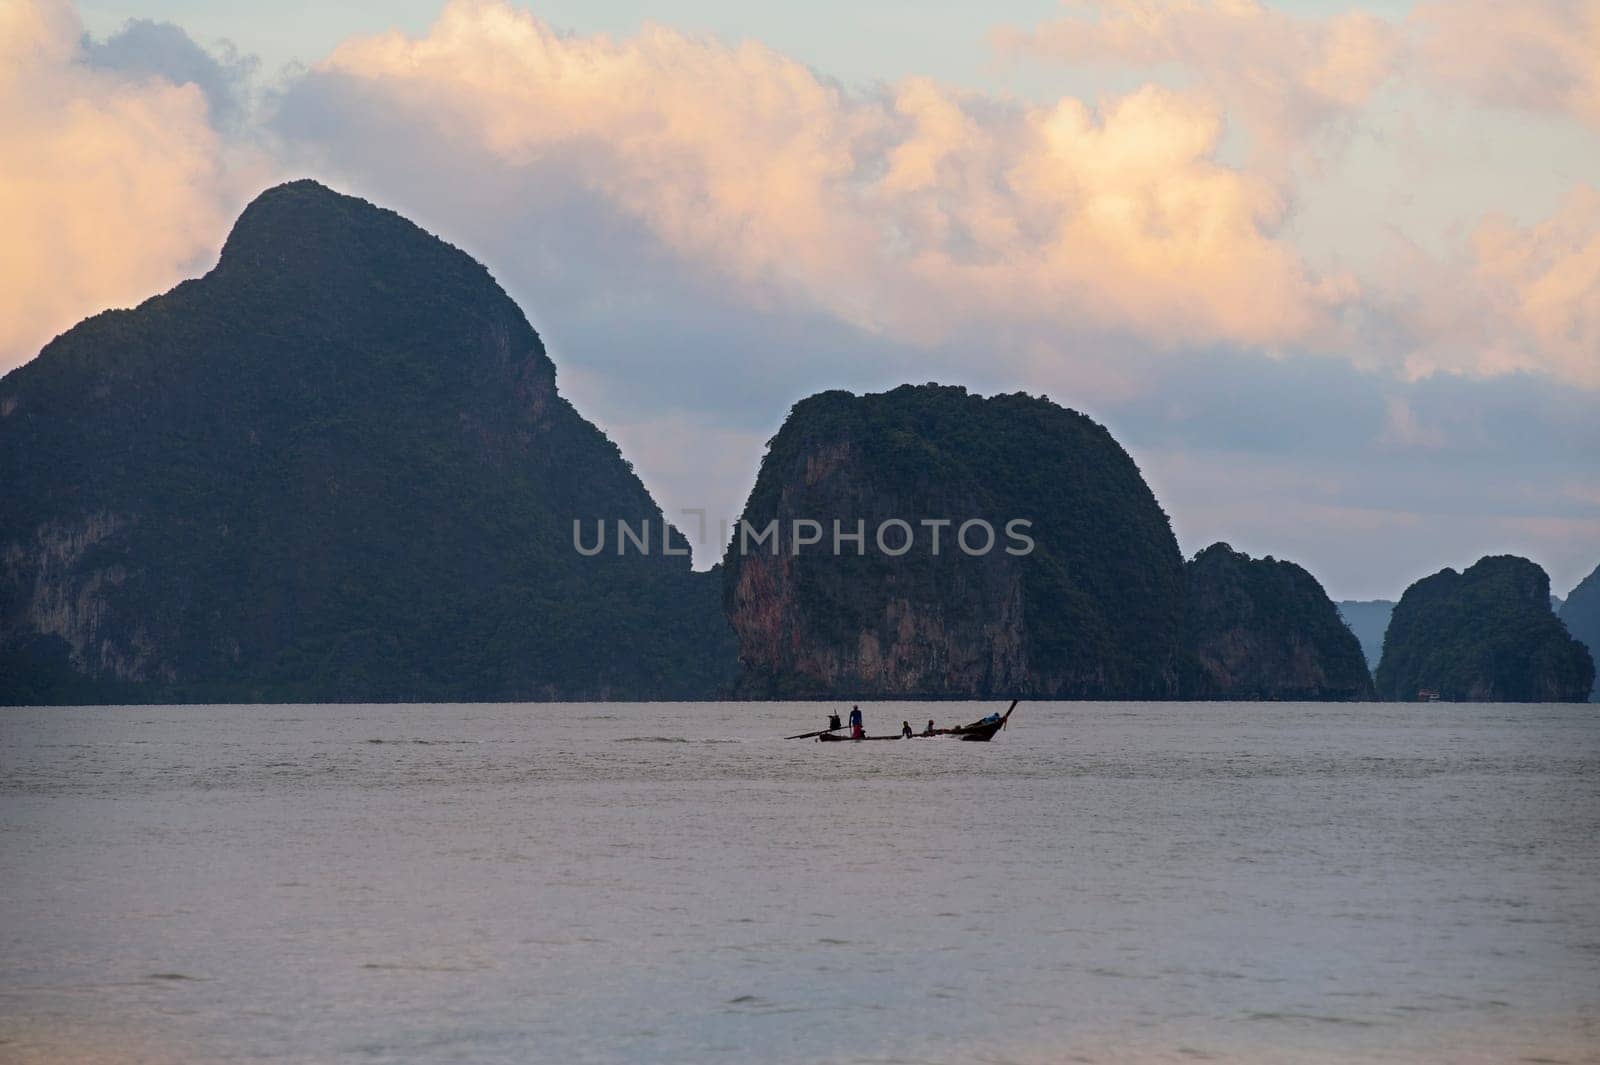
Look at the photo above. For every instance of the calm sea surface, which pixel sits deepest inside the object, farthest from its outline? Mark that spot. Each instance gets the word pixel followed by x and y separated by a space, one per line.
pixel 674 883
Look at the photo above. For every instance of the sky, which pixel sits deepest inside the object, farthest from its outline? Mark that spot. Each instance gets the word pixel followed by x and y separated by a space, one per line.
pixel 1330 272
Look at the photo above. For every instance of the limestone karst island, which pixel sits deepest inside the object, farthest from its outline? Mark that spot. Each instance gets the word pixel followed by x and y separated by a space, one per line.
pixel 337 468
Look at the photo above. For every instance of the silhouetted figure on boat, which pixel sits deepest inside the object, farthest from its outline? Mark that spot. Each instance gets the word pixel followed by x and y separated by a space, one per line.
pixel 856 731
pixel 833 723
pixel 929 730
pixel 905 729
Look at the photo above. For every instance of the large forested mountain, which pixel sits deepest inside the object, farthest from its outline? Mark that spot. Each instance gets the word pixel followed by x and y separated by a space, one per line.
pixel 1093 611
pixel 1265 629
pixel 1486 634
pixel 336 467
pixel 1581 614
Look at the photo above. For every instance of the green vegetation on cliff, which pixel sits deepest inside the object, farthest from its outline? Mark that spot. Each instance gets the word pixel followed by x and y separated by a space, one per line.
pixel 1581 614
pixel 1485 635
pixel 1265 629
pixel 337 468
pixel 334 468
pixel 1092 612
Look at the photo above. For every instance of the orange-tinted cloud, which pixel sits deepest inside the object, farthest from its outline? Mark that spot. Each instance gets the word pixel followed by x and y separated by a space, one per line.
pixel 916 212
pixel 1510 300
pixel 1546 279
pixel 1284 76
pixel 109 190
pixel 1517 299
pixel 912 213
pixel 1539 55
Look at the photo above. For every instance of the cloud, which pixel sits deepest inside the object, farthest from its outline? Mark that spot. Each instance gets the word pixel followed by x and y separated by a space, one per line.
pixel 159 50
pixel 1286 77
pixel 1367 480
pixel 110 191
pixel 1519 298
pixel 1546 278
pixel 914 212
pixel 1536 55
pixel 1498 429
pixel 1361 541
pixel 701 474
pixel 1508 299
pixel 704 232
pixel 918 217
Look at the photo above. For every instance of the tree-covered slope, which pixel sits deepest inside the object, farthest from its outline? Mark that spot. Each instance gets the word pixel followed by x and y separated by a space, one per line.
pixel 1369 620
pixel 1265 629
pixel 1485 635
pixel 336 467
pixel 1581 614
pixel 1093 611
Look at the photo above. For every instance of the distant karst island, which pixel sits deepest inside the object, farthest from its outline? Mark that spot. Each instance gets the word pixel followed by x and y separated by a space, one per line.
pixel 1486 634
pixel 337 468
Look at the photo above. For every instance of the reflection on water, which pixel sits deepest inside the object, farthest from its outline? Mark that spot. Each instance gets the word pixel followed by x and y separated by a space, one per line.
pixel 673 883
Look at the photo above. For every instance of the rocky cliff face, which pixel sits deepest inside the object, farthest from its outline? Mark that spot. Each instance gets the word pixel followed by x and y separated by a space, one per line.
pixel 69 594
pixel 1265 629
pixel 336 467
pixel 1483 635
pixel 1092 610
pixel 1581 615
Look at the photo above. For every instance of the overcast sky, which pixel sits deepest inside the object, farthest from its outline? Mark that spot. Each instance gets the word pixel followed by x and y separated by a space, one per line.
pixel 1330 272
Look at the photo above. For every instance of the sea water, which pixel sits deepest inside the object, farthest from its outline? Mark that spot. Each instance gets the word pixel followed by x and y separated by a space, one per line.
pixel 677 883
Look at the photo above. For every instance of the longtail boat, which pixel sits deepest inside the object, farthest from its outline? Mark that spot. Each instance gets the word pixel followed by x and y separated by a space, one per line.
pixel 978 732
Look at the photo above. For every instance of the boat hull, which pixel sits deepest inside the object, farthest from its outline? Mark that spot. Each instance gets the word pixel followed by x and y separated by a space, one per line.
pixel 980 732
pixel 977 732
pixel 828 737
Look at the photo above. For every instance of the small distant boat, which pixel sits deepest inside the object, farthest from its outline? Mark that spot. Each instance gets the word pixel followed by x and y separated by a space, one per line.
pixel 1427 695
pixel 978 732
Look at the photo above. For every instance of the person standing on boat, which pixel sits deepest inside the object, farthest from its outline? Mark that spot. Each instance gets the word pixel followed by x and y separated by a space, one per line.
pixel 905 729
pixel 856 731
